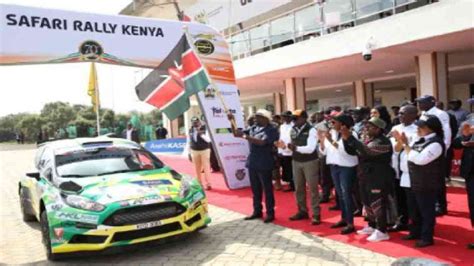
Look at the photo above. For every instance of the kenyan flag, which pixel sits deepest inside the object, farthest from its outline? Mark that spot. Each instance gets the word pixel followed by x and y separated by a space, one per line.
pixel 169 86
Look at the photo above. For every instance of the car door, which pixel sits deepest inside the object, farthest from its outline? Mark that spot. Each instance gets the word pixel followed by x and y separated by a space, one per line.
pixel 45 168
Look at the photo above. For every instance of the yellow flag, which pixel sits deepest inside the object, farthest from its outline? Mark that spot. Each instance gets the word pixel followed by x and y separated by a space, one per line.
pixel 93 89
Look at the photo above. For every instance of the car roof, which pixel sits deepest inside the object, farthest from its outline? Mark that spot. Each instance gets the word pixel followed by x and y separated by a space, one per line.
pixel 83 143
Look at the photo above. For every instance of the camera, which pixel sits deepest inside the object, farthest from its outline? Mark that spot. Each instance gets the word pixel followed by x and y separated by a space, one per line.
pixel 367 54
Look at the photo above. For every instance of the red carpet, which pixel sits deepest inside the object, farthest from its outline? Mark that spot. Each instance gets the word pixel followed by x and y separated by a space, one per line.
pixel 453 231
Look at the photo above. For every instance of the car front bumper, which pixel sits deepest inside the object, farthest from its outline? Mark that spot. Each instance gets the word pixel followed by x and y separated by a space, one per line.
pixel 104 237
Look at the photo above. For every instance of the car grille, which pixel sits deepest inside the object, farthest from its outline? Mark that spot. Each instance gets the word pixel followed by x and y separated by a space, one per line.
pixel 85 239
pixel 145 214
pixel 159 230
pixel 193 220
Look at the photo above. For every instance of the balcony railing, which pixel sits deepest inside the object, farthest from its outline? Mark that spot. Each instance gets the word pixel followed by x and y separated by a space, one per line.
pixel 314 20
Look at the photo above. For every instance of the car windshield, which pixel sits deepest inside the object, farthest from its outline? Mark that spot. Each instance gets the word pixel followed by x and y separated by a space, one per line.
pixel 103 161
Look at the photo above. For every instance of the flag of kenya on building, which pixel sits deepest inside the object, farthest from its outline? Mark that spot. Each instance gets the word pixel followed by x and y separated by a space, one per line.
pixel 169 86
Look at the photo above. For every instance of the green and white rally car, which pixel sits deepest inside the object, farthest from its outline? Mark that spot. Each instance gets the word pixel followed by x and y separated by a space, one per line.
pixel 93 193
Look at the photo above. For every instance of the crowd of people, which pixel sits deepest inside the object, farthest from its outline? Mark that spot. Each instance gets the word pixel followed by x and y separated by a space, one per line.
pixel 391 171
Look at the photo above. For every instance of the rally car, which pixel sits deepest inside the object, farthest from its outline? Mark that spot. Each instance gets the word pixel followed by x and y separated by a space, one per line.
pixel 93 193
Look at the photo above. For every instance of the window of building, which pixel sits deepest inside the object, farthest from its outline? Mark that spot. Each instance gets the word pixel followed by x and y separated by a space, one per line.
pixel 282 30
pixel 338 12
pixel 308 22
pixel 259 38
pixel 367 8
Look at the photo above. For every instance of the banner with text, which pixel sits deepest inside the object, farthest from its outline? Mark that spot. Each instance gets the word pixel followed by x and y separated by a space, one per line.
pixel 44 36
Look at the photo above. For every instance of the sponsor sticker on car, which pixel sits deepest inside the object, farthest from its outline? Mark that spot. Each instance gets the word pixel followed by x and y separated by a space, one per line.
pixel 78 217
pixel 148 225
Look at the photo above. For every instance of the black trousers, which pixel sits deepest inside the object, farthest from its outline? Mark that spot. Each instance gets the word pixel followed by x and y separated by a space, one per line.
pixel 402 206
pixel 287 170
pixel 442 202
pixel 422 214
pixel 470 197
pixel 325 179
pixel 261 182
pixel 214 162
pixel 375 200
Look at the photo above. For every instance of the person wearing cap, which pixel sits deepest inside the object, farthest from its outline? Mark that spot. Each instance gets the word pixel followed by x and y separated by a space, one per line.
pixel 466 142
pixel 454 108
pixel 427 104
pixel 408 115
pixel 285 154
pixel 425 166
pixel 305 166
pixel 375 176
pixel 260 162
pixel 381 112
pixel 200 149
pixel 343 169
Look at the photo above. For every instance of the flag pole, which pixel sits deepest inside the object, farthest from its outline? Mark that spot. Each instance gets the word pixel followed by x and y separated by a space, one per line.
pixel 190 41
pixel 97 103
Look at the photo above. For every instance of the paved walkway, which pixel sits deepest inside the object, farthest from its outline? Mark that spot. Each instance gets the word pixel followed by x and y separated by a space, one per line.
pixel 227 241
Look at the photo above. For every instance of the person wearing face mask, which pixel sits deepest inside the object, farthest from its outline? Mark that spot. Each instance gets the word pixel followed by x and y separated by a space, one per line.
pixel 425 166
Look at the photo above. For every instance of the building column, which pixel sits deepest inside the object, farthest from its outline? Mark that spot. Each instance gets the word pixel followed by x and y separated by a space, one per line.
pixel 295 93
pixel 278 102
pixel 432 75
pixel 359 93
pixel 369 94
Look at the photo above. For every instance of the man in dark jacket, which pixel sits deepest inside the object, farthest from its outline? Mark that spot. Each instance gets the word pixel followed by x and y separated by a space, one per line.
pixel 131 133
pixel 260 162
pixel 466 142
pixel 375 176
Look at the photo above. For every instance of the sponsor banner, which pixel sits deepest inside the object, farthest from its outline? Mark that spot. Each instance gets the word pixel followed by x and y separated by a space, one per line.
pixel 175 145
pixel 232 152
pixel 67 37
pixel 223 14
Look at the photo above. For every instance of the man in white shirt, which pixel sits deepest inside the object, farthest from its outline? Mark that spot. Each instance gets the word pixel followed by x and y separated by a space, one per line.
pixel 305 166
pixel 285 154
pixel 407 115
pixel 427 104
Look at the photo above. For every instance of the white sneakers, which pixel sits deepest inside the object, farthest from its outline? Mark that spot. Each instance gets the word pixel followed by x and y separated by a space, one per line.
pixel 366 231
pixel 378 236
pixel 375 235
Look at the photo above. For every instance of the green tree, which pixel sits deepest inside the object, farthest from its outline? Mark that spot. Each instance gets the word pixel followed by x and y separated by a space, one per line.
pixel 30 125
pixel 58 115
pixel 107 118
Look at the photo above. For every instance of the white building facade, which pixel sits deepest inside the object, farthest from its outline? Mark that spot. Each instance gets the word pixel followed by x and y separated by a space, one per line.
pixel 308 54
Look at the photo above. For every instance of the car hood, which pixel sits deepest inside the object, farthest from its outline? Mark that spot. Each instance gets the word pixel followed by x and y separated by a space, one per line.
pixel 152 184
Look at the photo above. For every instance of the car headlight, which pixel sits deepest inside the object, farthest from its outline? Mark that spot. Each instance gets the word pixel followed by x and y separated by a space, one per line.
pixel 83 203
pixel 185 186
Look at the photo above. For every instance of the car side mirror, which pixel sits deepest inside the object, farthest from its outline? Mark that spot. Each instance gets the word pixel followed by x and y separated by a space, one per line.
pixel 34 175
pixel 48 174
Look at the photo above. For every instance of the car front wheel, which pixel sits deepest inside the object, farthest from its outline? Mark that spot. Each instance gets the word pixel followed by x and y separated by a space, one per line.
pixel 46 237
pixel 25 206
